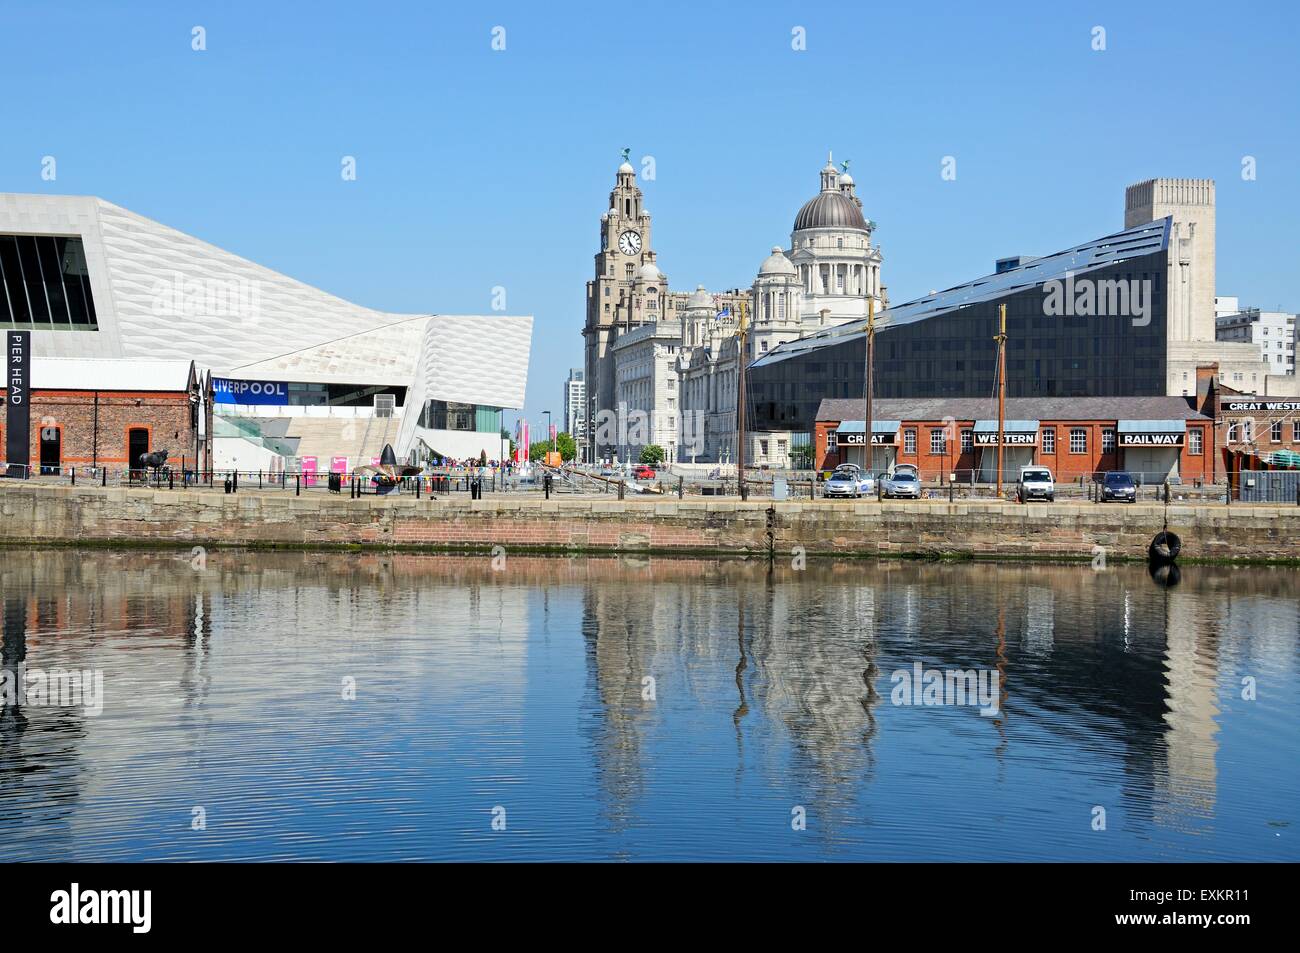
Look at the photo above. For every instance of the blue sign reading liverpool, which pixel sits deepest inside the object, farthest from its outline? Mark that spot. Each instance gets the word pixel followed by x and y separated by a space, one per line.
pixel 228 391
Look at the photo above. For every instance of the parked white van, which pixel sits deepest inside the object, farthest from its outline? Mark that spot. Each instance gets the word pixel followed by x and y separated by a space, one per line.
pixel 1035 483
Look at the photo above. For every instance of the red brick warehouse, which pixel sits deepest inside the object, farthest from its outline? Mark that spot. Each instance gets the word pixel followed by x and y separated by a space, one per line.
pixel 99 412
pixel 1150 437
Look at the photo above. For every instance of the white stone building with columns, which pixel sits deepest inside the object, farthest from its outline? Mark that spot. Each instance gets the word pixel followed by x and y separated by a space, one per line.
pixel 674 357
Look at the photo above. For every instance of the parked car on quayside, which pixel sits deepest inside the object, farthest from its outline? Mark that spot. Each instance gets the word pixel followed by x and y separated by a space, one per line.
pixel 901 484
pixel 848 480
pixel 644 472
pixel 1119 487
pixel 1035 483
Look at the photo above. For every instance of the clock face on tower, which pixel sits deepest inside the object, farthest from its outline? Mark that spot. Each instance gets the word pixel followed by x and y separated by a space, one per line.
pixel 629 243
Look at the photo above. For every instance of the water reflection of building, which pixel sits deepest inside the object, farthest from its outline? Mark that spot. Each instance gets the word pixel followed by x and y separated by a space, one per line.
pixel 1090 658
pixel 793 668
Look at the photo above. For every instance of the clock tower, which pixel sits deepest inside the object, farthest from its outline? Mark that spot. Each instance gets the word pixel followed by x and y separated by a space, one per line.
pixel 628 290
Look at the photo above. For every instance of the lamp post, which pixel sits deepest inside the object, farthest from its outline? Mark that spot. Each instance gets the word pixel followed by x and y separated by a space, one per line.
pixel 550 439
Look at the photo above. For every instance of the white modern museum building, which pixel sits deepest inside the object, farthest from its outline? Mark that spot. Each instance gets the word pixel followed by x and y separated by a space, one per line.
pixel 293 373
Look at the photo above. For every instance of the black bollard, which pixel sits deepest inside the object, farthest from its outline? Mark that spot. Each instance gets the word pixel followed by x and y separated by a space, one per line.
pixel 621 485
pixel 297 484
pixel 681 488
pixel 171 480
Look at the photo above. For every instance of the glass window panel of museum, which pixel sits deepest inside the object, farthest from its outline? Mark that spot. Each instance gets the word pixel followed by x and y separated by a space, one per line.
pixel 341 395
pixel 44 284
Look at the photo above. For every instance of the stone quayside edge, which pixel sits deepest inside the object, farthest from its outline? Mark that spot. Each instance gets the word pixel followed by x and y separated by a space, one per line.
pixel 65 515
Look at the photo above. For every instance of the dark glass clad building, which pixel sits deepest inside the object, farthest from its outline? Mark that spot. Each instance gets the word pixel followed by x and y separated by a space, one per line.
pixel 943 345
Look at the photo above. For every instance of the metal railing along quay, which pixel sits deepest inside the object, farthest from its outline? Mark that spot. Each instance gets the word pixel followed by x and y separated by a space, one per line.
pixel 438 482
pixel 572 481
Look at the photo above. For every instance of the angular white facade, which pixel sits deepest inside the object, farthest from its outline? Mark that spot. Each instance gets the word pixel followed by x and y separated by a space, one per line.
pixel 159 293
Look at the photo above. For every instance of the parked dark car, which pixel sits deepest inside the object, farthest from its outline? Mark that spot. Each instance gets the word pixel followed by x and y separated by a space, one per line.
pixel 1119 487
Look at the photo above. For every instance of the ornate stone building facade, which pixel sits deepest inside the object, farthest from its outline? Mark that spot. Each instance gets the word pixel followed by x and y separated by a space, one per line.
pixel 683 372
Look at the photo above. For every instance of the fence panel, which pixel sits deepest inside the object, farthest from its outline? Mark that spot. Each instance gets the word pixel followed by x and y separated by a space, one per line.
pixel 1269 486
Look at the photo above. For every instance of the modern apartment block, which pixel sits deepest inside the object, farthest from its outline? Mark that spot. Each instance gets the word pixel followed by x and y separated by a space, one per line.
pixel 1273 332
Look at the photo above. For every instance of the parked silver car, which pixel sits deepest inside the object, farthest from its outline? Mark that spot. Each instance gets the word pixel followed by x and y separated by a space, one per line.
pixel 848 480
pixel 902 483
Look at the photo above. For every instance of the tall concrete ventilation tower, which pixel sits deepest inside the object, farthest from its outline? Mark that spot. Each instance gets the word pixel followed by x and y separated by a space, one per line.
pixel 1190 285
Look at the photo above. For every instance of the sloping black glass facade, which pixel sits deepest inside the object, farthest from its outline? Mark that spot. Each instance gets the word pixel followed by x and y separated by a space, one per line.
pixel 954 354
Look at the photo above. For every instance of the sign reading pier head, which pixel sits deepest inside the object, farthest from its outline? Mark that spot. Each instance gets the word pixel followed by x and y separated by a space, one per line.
pixel 18 401
pixel 231 391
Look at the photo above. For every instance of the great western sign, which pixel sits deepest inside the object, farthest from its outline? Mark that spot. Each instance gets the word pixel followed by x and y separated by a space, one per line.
pixel 18 401
pixel 230 391
pixel 1248 405
pixel 1151 439
pixel 1018 439
pixel 856 439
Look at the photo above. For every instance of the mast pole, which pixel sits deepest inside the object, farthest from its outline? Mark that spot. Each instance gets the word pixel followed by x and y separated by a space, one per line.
pixel 870 387
pixel 741 330
pixel 1002 388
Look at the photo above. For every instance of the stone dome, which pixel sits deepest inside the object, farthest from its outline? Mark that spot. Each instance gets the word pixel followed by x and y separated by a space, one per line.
pixel 701 300
pixel 830 210
pixel 626 167
pixel 649 272
pixel 776 264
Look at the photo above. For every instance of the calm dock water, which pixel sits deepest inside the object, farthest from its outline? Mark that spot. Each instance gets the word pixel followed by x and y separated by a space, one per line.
pixel 636 709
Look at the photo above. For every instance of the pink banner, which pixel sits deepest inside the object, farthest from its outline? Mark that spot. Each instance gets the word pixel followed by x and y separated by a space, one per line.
pixel 338 464
pixel 309 471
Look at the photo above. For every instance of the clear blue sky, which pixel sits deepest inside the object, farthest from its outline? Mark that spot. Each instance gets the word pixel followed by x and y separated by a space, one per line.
pixel 478 168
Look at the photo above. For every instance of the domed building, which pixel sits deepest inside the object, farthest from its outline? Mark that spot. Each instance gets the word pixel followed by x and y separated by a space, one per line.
pixel 831 250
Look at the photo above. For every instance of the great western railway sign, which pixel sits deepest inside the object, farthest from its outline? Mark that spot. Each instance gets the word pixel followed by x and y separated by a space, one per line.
pixel 1250 405
pixel 1009 439
pixel 18 402
pixel 856 439
pixel 1151 439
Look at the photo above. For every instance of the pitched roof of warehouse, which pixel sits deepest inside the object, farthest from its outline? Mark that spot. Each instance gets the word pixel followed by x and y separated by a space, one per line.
pixel 1017 408
pixel 92 373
